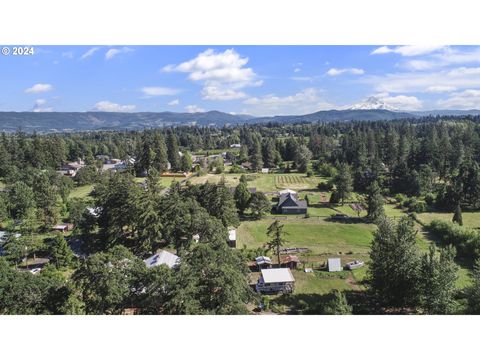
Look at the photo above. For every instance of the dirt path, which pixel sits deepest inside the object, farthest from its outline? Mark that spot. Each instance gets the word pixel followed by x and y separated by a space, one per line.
pixel 353 283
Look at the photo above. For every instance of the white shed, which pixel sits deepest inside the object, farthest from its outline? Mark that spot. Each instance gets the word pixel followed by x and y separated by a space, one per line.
pixel 334 264
pixel 232 238
pixel 276 280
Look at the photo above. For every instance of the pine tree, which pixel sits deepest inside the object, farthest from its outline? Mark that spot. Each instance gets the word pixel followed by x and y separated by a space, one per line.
pixel 173 151
pixel 343 183
pixel 259 205
pixel 394 267
pixel 62 255
pixel 438 277
pixel 457 216
pixel 338 305
pixel 474 290
pixel 302 158
pixel 276 232
pixel 374 203
pixel 160 162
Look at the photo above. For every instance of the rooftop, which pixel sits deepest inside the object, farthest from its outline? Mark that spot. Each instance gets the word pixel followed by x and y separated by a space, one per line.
pixel 277 275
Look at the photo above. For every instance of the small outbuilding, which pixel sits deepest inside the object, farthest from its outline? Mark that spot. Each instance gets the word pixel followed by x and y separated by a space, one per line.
pixel 290 261
pixel 232 238
pixel 275 281
pixel 263 262
pixel 334 264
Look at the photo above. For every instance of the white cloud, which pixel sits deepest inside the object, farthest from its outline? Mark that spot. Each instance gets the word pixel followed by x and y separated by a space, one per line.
pixel 174 102
pixel 39 88
pixel 193 109
pixel 223 74
pixel 465 100
pixel 402 102
pixel 408 50
pixel 457 78
pixel 296 70
pixel 111 53
pixel 440 89
pixel 39 106
pixel 353 71
pixel 448 56
pixel 89 53
pixel 113 107
pixel 303 102
pixel 159 91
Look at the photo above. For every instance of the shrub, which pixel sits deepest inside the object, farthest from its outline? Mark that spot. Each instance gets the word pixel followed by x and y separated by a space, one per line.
pixel 465 240
pixel 309 173
pixel 430 199
pixel 325 186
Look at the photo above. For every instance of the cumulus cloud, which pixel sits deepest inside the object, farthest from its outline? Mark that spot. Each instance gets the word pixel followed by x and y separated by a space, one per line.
pixel 39 88
pixel 402 102
pixel 113 107
pixel 111 53
pixel 174 102
pixel 464 100
pixel 408 50
pixel 150 91
pixel 89 53
pixel 39 106
pixel 296 70
pixel 223 74
pixel 193 109
pixel 447 57
pixel 353 71
pixel 305 101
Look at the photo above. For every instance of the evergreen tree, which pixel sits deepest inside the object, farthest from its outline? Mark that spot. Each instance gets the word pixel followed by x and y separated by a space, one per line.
pixel 256 155
pixel 457 215
pixel 474 290
pixel 160 162
pixel 62 255
pixel 259 205
pixel 173 151
pixel 438 277
pixel 20 200
pixel 343 182
pixel 186 162
pixel 277 234
pixel 394 266
pixel 338 305
pixel 375 203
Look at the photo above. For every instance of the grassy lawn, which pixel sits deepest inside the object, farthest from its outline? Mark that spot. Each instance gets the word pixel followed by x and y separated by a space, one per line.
pixel 318 235
pixel 264 182
pixel 81 192
pixel 392 211
pixel 314 283
pixel 470 219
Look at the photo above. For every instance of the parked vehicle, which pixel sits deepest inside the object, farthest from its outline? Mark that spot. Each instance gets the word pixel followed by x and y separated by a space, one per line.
pixel 354 265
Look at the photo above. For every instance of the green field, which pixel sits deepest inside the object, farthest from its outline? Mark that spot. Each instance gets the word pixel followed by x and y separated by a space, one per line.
pixel 470 219
pixel 81 192
pixel 320 236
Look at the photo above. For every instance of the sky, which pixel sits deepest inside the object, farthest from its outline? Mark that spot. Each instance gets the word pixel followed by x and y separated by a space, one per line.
pixel 255 80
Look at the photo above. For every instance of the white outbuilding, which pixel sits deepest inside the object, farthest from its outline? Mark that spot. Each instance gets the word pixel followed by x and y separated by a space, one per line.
pixel 334 264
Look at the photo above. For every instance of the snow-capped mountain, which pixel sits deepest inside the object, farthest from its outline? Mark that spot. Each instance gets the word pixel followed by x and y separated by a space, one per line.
pixel 372 103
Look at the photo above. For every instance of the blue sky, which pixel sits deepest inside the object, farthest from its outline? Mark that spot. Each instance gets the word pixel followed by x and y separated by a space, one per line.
pixel 257 80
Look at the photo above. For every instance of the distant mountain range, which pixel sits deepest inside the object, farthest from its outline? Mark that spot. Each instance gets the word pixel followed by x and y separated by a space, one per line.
pixel 86 121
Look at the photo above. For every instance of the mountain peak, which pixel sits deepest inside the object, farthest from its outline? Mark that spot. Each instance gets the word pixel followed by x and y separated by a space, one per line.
pixel 372 103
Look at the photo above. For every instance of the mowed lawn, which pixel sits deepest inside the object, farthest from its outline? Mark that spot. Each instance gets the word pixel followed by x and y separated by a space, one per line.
pixel 470 219
pixel 320 236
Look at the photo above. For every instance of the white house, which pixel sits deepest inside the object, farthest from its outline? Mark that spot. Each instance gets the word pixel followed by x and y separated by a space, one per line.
pixel 163 257
pixel 276 280
pixel 334 264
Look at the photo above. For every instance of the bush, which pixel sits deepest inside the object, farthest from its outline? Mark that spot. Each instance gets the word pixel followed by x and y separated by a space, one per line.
pixel 237 169
pixel 326 170
pixel 334 198
pixel 325 186
pixel 309 173
pixel 400 198
pixel 430 199
pixel 465 240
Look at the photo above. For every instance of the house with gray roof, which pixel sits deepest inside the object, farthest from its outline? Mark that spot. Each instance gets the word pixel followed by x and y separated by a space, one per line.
pixel 289 203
